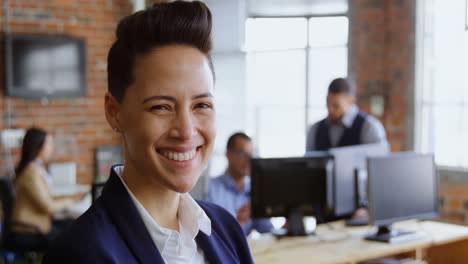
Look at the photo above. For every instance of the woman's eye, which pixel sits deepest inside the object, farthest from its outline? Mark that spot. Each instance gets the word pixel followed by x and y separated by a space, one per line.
pixel 203 106
pixel 159 107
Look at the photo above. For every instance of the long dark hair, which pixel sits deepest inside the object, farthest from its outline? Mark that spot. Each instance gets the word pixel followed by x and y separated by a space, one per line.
pixel 33 143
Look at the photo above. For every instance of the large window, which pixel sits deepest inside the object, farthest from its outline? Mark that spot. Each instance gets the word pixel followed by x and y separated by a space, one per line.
pixel 442 85
pixel 290 62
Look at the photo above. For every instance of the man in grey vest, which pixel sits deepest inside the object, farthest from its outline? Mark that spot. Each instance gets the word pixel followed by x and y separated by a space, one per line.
pixel 345 125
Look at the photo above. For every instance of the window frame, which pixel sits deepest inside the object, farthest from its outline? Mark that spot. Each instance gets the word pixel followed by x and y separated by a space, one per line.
pixel 422 69
pixel 307 49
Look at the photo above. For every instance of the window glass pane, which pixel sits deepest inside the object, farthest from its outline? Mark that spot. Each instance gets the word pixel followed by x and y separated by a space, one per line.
pixel 276 95
pixel 276 78
pixel 450 52
pixel 464 138
pixel 276 33
pixel 447 134
pixel 217 164
pixel 444 87
pixel 427 131
pixel 316 114
pixel 325 64
pixel 328 31
pixel 280 131
pixel 296 7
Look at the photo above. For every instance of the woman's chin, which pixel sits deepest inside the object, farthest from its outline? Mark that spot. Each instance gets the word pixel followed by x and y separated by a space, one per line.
pixel 182 187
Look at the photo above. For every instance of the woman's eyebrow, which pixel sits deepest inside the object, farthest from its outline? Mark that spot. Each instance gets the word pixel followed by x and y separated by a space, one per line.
pixel 159 97
pixel 202 96
pixel 173 99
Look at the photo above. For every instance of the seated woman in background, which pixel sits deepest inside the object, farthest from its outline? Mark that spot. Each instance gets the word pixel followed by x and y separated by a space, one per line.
pixel 34 206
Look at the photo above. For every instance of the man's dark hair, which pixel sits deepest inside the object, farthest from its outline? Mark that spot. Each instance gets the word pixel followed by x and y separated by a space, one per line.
pixel 178 22
pixel 341 85
pixel 231 143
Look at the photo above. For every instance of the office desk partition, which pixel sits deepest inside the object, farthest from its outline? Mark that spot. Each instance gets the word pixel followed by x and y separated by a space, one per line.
pixel 335 244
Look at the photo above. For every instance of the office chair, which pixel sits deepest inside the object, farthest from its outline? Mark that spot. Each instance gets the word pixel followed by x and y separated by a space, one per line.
pixel 13 243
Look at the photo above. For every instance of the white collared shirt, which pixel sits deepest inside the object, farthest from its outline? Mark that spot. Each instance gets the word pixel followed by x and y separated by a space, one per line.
pixel 176 247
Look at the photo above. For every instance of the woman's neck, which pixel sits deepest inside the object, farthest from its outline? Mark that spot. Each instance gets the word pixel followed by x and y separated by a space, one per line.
pixel 162 204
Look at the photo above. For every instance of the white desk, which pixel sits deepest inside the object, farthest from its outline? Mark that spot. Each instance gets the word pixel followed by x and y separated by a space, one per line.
pixel 68 189
pixel 441 243
pixel 77 208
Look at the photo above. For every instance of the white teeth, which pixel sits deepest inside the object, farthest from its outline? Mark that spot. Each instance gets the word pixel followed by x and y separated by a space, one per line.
pixel 180 156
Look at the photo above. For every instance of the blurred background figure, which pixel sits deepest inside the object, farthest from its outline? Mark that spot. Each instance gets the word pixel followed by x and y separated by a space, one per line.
pixel 35 206
pixel 345 125
pixel 232 189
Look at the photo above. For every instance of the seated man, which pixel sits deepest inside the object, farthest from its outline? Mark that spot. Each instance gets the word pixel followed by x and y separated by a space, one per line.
pixel 345 125
pixel 232 189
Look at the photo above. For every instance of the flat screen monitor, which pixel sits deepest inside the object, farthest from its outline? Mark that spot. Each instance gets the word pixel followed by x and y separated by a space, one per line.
pixel 349 163
pixel 291 188
pixel 44 66
pixel 401 186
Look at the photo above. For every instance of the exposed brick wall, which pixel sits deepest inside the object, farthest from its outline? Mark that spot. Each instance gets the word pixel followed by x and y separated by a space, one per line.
pixel 382 59
pixel 78 124
pixel 382 48
pixel 454 202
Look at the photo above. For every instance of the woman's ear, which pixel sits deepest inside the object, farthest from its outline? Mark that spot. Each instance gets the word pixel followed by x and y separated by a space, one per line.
pixel 112 109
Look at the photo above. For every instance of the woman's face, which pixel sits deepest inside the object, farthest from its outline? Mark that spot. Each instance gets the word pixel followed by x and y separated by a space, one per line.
pixel 167 117
pixel 47 149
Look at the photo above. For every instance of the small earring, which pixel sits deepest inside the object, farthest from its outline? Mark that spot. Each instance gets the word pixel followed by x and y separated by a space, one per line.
pixel 116 129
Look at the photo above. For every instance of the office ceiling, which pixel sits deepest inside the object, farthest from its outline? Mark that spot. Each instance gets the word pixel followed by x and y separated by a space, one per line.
pixel 283 8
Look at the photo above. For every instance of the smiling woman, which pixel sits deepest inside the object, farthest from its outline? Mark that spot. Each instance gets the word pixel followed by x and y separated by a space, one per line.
pixel 160 101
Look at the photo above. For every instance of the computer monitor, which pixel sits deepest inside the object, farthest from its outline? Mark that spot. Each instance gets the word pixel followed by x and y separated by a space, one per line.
pixel 290 187
pixel 350 168
pixel 401 186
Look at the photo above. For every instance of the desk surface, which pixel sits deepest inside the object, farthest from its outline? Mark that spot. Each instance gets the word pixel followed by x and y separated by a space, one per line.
pixel 68 189
pixel 336 243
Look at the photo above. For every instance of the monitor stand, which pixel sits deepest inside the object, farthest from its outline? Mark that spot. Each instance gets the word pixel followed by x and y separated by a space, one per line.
pixel 386 234
pixel 295 225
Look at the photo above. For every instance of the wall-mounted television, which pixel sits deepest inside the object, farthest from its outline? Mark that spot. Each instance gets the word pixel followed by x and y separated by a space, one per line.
pixel 44 66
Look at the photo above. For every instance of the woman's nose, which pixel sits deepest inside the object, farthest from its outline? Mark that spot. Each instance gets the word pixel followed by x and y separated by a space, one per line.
pixel 183 127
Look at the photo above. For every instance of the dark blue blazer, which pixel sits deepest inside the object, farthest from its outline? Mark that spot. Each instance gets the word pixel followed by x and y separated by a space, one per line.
pixel 112 231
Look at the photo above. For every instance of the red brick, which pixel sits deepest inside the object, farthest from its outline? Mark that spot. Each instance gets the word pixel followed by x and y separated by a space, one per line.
pixel 82 118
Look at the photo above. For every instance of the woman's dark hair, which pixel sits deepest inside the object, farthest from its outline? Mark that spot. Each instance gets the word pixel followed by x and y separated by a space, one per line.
pixel 178 22
pixel 33 142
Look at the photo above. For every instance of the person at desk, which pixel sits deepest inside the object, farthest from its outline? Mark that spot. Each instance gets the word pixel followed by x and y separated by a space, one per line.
pixel 34 206
pixel 345 125
pixel 232 189
pixel 160 101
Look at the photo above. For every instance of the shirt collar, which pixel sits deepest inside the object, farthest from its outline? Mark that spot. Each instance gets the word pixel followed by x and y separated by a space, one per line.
pixel 189 213
pixel 230 184
pixel 348 118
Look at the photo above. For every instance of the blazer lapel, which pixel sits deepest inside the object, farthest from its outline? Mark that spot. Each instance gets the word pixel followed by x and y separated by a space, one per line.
pixel 214 248
pixel 128 221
